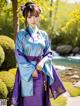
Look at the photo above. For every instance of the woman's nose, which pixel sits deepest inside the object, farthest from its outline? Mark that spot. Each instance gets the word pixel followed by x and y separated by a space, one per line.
pixel 33 18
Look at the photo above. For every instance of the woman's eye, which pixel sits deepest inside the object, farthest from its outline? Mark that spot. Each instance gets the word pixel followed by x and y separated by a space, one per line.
pixel 36 16
pixel 29 17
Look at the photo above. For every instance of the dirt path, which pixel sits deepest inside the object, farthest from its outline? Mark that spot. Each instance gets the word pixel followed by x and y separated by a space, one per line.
pixel 73 101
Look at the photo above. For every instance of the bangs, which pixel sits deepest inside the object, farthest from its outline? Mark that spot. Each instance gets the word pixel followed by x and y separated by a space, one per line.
pixel 33 13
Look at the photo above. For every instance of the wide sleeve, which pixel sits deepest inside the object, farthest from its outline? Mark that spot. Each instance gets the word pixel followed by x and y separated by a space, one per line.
pixel 23 64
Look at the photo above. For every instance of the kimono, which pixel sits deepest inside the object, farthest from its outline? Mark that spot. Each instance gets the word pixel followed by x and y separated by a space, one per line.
pixel 32 46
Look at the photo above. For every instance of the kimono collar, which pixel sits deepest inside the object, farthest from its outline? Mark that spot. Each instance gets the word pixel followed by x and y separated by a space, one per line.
pixel 33 30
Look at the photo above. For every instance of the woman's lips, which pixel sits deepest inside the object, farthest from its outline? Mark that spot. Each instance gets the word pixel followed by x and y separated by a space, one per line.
pixel 33 23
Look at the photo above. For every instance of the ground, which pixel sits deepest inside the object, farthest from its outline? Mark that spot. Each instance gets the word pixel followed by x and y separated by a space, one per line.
pixel 71 98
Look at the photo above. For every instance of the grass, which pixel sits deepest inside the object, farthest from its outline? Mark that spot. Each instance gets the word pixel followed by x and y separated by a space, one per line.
pixel 60 101
pixel 73 91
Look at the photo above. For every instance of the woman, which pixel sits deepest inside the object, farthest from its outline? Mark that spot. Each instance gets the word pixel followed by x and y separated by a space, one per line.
pixel 35 73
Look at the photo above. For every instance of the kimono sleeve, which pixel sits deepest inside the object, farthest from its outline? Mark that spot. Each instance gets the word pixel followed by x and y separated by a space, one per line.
pixel 19 49
pixel 19 54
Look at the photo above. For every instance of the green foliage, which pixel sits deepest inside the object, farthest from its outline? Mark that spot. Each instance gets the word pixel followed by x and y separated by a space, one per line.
pixel 73 91
pixel 53 25
pixel 3 90
pixel 6 26
pixel 8 78
pixel 72 28
pixel 6 20
pixel 8 46
pixel 60 101
pixel 2 55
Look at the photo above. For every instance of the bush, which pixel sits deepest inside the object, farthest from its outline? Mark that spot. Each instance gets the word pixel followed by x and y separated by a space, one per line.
pixel 2 55
pixel 8 78
pixel 3 90
pixel 13 71
pixel 8 46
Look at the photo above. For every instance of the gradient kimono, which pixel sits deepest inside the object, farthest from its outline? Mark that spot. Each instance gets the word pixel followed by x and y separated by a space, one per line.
pixel 32 47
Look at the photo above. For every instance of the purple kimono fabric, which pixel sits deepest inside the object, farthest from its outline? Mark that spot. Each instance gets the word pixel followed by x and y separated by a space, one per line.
pixel 41 97
pixel 57 87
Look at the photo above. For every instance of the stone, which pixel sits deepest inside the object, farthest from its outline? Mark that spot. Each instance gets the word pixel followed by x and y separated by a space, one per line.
pixel 75 50
pixel 69 73
pixel 75 77
pixel 64 49
pixel 77 84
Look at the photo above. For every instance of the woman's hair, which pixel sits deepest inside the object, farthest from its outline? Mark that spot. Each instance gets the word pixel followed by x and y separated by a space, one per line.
pixel 31 8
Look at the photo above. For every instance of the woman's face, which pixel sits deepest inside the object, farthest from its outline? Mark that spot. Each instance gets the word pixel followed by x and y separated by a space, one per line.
pixel 32 20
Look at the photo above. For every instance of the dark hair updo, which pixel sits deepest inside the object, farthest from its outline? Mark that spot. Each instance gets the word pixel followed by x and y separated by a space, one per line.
pixel 31 8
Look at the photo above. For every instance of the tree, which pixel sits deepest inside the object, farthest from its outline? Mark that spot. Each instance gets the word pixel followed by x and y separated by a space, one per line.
pixel 15 17
pixel 51 4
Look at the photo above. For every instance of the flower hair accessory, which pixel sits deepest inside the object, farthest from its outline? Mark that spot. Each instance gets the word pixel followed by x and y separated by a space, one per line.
pixel 23 7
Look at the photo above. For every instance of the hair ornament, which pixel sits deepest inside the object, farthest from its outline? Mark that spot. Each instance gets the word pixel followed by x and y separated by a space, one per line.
pixel 23 7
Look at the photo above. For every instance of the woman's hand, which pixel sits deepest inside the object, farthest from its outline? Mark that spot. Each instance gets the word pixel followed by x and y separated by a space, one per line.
pixel 35 74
